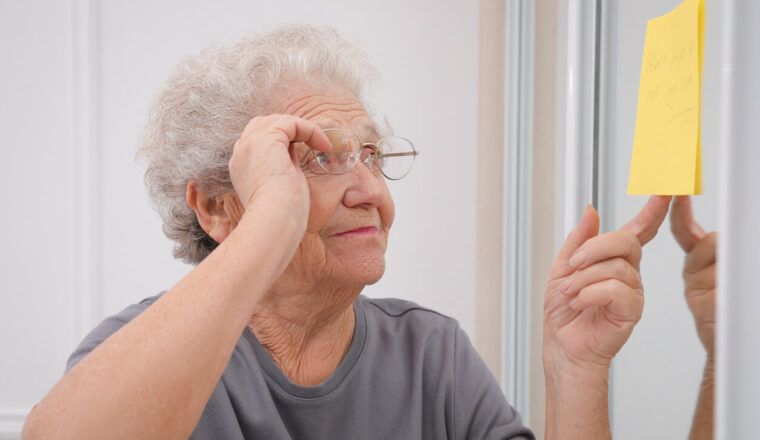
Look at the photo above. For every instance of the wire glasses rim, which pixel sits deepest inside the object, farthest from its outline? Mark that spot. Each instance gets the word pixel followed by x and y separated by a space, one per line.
pixel 414 153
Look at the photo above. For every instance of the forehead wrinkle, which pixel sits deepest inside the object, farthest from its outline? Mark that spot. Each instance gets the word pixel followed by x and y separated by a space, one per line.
pixel 333 111
pixel 350 110
pixel 307 107
pixel 293 106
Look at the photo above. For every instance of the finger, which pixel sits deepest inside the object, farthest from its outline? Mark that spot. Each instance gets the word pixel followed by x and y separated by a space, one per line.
pixel 587 227
pixel 686 231
pixel 619 300
pixel 648 220
pixel 302 130
pixel 614 268
pixel 703 279
pixel 622 243
pixel 702 255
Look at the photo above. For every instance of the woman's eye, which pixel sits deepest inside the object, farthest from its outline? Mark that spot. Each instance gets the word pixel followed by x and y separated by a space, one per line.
pixel 315 164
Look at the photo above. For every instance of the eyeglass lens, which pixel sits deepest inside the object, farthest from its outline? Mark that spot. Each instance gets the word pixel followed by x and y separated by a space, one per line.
pixel 394 155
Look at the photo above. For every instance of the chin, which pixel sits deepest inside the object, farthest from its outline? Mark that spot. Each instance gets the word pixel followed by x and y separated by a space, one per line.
pixel 364 271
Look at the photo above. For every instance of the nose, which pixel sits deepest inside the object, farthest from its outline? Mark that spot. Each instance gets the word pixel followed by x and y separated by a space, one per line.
pixel 366 189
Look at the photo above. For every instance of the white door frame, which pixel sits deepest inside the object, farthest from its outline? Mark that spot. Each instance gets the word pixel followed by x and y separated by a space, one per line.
pixel 738 357
pixel 576 162
pixel 515 350
pixel 576 144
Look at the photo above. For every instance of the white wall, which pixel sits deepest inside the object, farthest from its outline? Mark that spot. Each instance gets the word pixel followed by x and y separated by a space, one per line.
pixel 656 375
pixel 37 315
pixel 61 277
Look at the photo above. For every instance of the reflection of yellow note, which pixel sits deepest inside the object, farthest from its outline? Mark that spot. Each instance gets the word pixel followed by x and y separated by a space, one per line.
pixel 666 146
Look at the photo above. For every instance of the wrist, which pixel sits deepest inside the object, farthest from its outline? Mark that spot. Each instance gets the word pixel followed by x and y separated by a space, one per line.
pixel 289 214
pixel 269 234
pixel 558 366
pixel 577 400
pixel 278 196
pixel 568 381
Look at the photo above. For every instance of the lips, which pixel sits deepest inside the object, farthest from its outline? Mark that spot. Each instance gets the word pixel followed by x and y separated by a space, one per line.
pixel 364 230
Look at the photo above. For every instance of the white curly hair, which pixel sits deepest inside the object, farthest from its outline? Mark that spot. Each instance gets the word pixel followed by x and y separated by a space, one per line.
pixel 206 102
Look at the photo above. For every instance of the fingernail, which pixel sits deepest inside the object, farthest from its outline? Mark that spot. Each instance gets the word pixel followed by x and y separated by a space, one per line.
pixel 577 259
pixel 564 287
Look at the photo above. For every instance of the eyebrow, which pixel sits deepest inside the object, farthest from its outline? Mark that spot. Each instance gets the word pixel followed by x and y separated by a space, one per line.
pixel 328 123
pixel 368 132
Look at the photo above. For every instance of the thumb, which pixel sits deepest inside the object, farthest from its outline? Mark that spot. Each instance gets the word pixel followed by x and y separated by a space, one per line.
pixel 648 220
pixel 587 228
pixel 686 231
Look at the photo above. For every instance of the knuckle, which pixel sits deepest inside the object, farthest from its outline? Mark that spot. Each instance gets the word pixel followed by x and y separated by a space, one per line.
pixel 712 238
pixel 255 124
pixel 621 269
pixel 614 285
pixel 632 275
pixel 592 289
pixel 237 146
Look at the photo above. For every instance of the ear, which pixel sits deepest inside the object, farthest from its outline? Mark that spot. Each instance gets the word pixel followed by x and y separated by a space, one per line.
pixel 218 216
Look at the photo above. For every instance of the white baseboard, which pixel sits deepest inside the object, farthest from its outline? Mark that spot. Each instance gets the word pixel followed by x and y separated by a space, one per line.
pixel 11 422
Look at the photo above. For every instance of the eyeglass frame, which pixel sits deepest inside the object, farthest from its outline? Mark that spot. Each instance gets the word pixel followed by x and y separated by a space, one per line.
pixel 414 153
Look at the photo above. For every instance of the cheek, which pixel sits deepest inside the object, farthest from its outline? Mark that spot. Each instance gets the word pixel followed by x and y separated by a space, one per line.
pixel 387 212
pixel 323 201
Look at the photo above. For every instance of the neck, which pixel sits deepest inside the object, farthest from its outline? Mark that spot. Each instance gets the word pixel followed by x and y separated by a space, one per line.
pixel 307 334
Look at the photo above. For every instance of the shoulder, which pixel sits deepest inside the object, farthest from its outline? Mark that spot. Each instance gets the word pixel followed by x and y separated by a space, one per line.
pixel 398 323
pixel 400 310
pixel 107 327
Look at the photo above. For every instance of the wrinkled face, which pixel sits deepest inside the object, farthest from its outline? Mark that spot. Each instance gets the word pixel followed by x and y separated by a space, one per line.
pixel 351 214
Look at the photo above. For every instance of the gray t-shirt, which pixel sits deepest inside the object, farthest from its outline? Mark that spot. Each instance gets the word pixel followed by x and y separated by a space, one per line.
pixel 410 373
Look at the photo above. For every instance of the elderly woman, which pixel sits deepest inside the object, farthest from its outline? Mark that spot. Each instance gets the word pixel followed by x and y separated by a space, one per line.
pixel 270 176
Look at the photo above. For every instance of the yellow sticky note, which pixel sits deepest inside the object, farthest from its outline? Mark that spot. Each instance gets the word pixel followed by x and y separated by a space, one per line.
pixel 666 146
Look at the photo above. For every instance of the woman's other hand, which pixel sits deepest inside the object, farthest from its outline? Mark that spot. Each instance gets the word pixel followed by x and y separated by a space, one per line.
pixel 698 270
pixel 594 296
pixel 593 299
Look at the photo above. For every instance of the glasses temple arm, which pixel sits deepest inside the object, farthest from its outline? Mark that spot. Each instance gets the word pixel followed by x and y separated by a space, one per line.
pixel 411 153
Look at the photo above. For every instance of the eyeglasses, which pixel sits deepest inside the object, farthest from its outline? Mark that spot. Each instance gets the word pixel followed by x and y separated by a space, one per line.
pixel 392 156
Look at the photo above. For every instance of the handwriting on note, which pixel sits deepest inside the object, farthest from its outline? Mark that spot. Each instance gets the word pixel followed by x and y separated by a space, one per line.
pixel 666 146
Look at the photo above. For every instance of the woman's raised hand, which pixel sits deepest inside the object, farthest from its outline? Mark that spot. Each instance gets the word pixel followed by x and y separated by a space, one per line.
pixel 264 163
pixel 594 295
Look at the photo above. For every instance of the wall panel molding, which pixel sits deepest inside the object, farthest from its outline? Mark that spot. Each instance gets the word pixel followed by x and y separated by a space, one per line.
pixel 490 198
pixel 87 156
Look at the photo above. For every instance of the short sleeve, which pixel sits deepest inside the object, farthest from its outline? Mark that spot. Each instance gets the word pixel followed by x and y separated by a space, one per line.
pixel 481 410
pixel 109 326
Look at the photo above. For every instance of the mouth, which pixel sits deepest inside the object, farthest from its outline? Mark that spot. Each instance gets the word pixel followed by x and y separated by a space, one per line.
pixel 365 230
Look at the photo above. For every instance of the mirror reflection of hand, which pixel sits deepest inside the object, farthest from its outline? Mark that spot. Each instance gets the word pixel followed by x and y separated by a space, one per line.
pixel 594 296
pixel 699 269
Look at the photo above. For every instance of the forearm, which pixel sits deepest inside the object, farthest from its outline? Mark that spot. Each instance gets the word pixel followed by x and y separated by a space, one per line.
pixel 153 377
pixel 576 402
pixel 702 426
